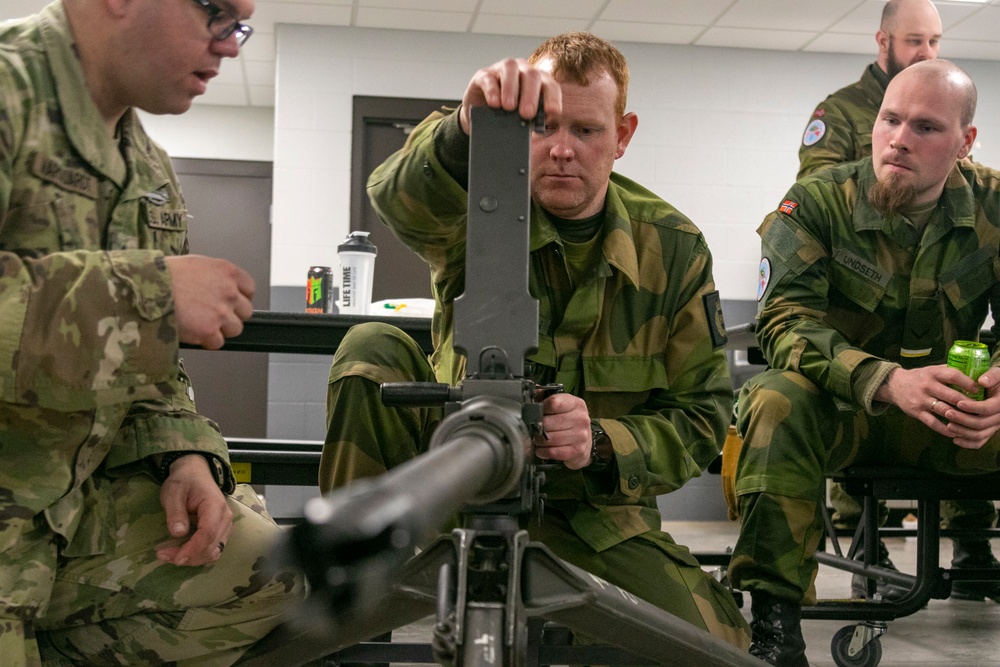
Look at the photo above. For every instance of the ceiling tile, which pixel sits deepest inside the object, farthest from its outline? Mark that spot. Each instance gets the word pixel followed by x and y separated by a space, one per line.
pixel 805 15
pixel 224 93
pixel 840 43
pixel 269 12
pixel 747 38
pixel 261 96
pixel 259 73
pixel 685 12
pixel 657 33
pixel 983 25
pixel 863 19
pixel 526 25
pixel 425 5
pixel 412 19
pixel 578 9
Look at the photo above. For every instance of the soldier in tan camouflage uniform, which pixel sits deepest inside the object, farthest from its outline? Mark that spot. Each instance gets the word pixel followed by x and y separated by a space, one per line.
pixel 870 271
pixel 839 131
pixel 629 325
pixel 116 498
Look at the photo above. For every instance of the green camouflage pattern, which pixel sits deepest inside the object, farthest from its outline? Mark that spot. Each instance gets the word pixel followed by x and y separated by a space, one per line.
pixel 365 438
pixel 849 117
pixel 634 340
pixel 90 379
pixel 849 296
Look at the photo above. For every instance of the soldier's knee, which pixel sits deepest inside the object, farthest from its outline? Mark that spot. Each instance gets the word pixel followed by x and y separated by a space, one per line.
pixel 773 396
pixel 381 353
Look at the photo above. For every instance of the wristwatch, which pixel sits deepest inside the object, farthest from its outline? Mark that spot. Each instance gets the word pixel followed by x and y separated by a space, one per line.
pixel 162 472
pixel 602 453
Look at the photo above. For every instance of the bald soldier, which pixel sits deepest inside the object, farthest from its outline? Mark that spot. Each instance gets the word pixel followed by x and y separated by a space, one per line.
pixel 870 271
pixel 839 131
pixel 124 538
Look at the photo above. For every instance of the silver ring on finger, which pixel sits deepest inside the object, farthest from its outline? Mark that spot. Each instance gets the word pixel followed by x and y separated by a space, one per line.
pixel 933 403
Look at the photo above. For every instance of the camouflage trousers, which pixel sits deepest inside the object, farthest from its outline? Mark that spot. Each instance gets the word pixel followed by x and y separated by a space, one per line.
pixel 365 438
pixel 793 434
pixel 127 608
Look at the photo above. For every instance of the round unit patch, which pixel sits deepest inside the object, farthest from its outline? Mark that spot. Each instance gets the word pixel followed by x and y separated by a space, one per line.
pixel 763 277
pixel 814 132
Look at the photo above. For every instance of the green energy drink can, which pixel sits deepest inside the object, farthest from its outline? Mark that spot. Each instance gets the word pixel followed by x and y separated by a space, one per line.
pixel 319 290
pixel 971 358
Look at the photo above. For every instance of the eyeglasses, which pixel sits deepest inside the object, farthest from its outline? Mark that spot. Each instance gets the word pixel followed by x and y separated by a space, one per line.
pixel 222 24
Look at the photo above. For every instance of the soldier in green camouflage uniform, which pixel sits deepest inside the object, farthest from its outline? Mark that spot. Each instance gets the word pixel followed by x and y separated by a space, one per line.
pixel 861 296
pixel 629 324
pixel 839 131
pixel 99 563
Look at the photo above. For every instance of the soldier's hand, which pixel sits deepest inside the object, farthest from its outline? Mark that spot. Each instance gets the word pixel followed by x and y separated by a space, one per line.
pixel 212 298
pixel 197 514
pixel 566 423
pixel 926 394
pixel 511 84
pixel 971 423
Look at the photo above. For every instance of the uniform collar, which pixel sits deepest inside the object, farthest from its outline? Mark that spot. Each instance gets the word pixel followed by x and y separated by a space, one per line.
pixel 80 115
pixel 956 204
pixel 619 244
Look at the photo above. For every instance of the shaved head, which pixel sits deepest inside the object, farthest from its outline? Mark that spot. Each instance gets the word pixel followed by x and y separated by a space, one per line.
pixel 910 32
pixel 953 79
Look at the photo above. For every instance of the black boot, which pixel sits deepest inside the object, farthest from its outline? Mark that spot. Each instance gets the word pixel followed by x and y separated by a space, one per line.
pixel 777 635
pixel 889 592
pixel 974 554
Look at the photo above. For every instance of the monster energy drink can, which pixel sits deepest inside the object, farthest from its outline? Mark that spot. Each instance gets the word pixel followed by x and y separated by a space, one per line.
pixel 319 289
pixel 973 359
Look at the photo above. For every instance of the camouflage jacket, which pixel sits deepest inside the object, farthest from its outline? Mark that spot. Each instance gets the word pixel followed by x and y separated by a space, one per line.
pixel 89 367
pixel 840 130
pixel 635 342
pixel 847 294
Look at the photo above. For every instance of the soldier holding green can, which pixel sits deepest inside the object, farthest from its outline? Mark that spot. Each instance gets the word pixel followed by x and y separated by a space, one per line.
pixel 870 271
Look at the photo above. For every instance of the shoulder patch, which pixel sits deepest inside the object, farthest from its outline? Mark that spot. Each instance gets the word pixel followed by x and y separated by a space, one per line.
pixel 716 323
pixel 814 132
pixel 788 207
pixel 763 277
pixel 819 113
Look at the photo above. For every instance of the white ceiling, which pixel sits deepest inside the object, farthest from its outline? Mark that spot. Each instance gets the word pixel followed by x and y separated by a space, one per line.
pixel 971 30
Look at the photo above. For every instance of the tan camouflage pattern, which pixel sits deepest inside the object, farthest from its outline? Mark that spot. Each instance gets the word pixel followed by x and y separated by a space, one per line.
pixel 90 379
pixel 849 116
pixel 848 291
pixel 635 341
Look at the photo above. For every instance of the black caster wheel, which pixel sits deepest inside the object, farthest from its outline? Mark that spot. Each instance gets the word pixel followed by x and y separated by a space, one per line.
pixel 869 655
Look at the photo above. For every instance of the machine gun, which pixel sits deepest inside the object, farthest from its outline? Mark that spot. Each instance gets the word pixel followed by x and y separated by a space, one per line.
pixel 486 579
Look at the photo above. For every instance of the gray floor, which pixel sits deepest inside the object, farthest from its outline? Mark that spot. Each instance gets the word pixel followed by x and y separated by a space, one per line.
pixel 946 633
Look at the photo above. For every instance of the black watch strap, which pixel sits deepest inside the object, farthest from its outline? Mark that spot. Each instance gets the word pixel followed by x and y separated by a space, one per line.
pixel 601 451
pixel 214 465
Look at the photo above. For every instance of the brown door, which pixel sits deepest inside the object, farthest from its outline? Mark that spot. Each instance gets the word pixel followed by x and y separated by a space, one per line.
pixel 230 203
pixel 381 125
